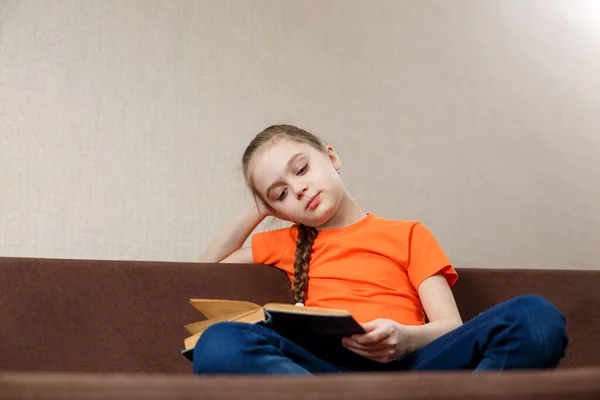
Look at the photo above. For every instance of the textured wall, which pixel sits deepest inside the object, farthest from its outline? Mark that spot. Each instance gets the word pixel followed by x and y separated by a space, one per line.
pixel 122 123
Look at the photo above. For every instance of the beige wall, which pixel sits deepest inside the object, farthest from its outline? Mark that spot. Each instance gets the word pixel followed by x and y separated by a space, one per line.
pixel 122 123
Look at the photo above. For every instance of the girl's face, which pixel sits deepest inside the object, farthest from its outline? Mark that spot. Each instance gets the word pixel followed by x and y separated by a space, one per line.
pixel 300 183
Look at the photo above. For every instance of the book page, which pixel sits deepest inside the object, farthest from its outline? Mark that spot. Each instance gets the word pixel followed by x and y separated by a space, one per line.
pixel 197 328
pixel 304 309
pixel 202 325
pixel 211 308
pixel 245 316
pixel 190 342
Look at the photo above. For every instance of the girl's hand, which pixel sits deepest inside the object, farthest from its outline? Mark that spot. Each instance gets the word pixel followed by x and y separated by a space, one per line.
pixel 385 341
pixel 263 210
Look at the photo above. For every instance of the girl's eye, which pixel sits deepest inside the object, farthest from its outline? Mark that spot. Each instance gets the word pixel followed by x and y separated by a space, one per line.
pixel 302 170
pixel 282 195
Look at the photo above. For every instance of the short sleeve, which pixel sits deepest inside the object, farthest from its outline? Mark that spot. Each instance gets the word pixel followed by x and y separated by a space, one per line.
pixel 426 258
pixel 268 247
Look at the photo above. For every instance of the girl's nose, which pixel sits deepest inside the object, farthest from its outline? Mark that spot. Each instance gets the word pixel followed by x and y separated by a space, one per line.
pixel 300 191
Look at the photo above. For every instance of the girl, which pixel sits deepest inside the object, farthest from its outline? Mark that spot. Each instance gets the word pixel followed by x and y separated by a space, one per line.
pixel 390 275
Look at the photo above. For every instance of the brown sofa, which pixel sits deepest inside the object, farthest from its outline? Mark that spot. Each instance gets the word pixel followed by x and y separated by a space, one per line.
pixel 114 329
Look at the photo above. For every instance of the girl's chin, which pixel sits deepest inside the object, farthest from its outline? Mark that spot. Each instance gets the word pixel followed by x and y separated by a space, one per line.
pixel 320 222
pixel 319 218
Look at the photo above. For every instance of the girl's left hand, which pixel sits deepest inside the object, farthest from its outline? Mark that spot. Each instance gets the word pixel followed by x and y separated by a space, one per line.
pixel 384 341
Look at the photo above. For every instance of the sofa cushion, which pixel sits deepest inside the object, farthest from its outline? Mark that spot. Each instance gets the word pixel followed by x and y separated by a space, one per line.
pixel 570 384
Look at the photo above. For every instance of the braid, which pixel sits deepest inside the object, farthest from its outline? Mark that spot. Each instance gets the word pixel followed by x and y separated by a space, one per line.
pixel 306 238
pixel 306 235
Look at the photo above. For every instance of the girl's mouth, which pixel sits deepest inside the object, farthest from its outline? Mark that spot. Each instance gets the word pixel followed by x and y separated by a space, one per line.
pixel 313 202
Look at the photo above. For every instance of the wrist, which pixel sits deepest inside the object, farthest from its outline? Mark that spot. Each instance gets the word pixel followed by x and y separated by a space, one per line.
pixel 260 209
pixel 411 334
pixel 256 213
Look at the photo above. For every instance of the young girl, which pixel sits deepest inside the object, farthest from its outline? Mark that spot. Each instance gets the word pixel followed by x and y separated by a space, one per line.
pixel 392 276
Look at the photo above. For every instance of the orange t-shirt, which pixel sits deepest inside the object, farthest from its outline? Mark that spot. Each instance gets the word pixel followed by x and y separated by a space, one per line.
pixel 371 268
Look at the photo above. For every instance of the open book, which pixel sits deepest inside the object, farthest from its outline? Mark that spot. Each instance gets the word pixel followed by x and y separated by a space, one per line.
pixel 283 318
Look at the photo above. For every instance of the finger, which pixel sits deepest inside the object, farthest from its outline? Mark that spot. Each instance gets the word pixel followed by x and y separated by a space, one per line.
pixel 371 325
pixel 384 360
pixel 384 355
pixel 367 347
pixel 374 336
pixel 360 352
pixel 387 352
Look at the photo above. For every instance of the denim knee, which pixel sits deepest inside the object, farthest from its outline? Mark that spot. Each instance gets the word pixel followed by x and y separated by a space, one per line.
pixel 542 327
pixel 220 347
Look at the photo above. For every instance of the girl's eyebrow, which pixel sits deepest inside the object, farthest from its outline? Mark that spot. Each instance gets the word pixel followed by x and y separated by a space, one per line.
pixel 289 165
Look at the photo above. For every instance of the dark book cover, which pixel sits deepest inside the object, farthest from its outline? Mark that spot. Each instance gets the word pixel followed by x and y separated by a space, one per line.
pixel 317 327
pixel 284 322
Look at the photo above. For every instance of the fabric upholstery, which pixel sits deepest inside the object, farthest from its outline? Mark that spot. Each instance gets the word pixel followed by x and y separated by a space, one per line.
pixel 570 384
pixel 105 316
pixel 125 316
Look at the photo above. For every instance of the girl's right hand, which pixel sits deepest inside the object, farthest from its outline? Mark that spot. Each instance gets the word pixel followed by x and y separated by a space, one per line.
pixel 230 240
pixel 263 210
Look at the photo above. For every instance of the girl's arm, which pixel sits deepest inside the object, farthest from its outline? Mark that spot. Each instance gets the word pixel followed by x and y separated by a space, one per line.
pixel 227 246
pixel 386 340
pixel 442 312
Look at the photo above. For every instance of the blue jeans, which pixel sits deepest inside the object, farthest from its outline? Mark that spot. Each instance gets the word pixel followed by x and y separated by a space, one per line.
pixel 525 332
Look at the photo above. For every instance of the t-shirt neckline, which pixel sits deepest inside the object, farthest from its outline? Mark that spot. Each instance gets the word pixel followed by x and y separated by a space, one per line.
pixel 349 228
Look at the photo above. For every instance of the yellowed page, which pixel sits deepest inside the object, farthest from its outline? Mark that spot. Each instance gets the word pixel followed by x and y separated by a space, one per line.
pixel 190 342
pixel 251 317
pixel 196 329
pixel 217 308
pixel 202 325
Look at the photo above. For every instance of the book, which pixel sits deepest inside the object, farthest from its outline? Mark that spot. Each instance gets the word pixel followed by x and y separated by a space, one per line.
pixel 286 319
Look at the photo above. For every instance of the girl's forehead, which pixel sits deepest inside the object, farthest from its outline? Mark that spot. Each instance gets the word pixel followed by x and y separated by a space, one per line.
pixel 270 162
pixel 278 153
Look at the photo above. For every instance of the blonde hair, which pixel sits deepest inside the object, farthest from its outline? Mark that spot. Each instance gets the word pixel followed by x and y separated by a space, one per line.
pixel 306 234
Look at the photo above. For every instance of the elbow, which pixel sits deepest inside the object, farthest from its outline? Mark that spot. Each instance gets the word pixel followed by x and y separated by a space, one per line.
pixel 206 258
pixel 454 323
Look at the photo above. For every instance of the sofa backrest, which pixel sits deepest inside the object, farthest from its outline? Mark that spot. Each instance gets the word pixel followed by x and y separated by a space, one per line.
pixel 114 316
pixel 128 316
pixel 574 292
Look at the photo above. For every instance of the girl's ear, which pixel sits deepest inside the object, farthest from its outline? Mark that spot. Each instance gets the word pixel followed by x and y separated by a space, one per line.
pixel 335 160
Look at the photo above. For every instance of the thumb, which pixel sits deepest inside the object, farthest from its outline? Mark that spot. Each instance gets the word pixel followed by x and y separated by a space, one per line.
pixel 370 326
